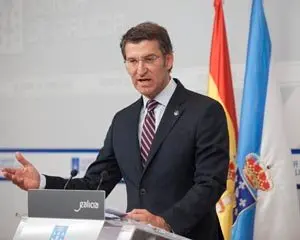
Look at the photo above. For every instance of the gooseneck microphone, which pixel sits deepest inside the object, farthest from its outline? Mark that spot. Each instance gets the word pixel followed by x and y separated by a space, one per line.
pixel 73 173
pixel 103 176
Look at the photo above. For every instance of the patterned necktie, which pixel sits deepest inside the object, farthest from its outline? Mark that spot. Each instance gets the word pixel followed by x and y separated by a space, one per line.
pixel 148 130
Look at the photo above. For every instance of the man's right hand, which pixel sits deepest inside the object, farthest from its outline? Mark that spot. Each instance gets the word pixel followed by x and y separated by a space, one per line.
pixel 26 177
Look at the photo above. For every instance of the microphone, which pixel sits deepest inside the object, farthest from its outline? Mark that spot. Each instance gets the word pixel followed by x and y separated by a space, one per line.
pixel 73 173
pixel 103 176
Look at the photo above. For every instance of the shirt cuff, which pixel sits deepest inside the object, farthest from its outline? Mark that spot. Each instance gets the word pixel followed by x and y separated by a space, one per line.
pixel 42 182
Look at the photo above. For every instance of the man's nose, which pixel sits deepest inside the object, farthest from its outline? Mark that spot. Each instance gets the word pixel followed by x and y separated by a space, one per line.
pixel 141 68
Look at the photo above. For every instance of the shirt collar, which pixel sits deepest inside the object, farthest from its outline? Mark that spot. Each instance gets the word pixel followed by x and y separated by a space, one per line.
pixel 164 96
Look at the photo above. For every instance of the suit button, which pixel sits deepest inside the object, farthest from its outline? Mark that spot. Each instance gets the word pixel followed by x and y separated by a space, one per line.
pixel 143 191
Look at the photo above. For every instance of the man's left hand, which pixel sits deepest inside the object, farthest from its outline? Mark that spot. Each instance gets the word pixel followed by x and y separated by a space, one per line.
pixel 142 215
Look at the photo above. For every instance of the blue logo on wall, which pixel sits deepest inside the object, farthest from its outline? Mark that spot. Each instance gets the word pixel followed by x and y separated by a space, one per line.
pixel 59 233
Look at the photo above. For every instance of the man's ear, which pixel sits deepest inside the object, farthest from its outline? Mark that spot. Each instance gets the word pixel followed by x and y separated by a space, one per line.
pixel 169 61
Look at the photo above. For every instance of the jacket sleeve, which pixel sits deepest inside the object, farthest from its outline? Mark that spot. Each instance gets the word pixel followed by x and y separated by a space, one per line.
pixel 211 167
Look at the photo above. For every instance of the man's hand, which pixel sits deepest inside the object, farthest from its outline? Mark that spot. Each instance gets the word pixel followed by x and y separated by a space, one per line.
pixel 26 177
pixel 142 215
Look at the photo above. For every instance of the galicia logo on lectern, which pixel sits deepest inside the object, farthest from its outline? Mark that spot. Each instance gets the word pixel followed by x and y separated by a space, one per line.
pixel 87 204
pixel 59 233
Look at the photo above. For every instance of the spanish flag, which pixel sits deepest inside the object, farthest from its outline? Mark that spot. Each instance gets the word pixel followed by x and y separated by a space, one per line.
pixel 220 88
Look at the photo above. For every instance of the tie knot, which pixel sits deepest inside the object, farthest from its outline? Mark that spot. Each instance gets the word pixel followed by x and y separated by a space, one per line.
pixel 151 105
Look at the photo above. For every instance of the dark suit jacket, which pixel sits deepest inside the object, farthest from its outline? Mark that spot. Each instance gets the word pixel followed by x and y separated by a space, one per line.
pixel 187 167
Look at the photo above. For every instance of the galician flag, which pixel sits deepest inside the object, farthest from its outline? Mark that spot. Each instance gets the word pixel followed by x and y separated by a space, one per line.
pixel 267 206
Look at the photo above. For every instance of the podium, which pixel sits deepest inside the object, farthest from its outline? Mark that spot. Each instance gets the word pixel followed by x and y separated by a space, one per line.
pixel 79 215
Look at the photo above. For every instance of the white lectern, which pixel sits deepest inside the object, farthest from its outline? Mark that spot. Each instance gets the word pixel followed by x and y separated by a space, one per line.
pixel 79 215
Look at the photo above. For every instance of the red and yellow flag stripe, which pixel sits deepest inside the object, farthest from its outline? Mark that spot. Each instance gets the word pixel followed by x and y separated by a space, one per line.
pixel 221 89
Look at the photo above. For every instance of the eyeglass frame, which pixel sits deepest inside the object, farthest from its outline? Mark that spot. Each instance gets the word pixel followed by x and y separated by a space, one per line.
pixel 148 60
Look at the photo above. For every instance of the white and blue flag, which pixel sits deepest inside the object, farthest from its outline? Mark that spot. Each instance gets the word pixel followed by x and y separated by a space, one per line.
pixel 266 196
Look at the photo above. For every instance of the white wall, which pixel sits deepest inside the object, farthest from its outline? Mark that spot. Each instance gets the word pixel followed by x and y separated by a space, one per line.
pixel 62 76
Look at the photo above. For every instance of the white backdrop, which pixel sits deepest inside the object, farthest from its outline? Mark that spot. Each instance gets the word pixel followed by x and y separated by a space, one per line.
pixel 62 76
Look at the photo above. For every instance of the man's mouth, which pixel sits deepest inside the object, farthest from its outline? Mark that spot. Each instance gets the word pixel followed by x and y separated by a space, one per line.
pixel 144 79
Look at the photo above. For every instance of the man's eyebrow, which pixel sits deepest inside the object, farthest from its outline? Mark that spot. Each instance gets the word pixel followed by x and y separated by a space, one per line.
pixel 148 55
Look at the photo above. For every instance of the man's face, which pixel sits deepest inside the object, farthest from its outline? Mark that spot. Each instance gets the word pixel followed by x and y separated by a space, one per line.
pixel 148 67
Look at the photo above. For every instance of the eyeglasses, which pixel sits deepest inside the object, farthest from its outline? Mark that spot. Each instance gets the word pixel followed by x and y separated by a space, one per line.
pixel 134 62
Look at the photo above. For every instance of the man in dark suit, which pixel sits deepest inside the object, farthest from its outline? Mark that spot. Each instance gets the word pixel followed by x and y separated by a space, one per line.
pixel 170 146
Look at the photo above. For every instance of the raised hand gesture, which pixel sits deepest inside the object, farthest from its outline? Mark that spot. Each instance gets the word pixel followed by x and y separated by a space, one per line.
pixel 26 177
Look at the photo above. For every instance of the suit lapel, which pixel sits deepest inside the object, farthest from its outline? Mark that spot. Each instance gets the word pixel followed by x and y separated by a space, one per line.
pixel 133 127
pixel 173 112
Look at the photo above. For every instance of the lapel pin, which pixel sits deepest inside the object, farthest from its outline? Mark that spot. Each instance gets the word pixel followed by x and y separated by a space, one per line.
pixel 176 113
